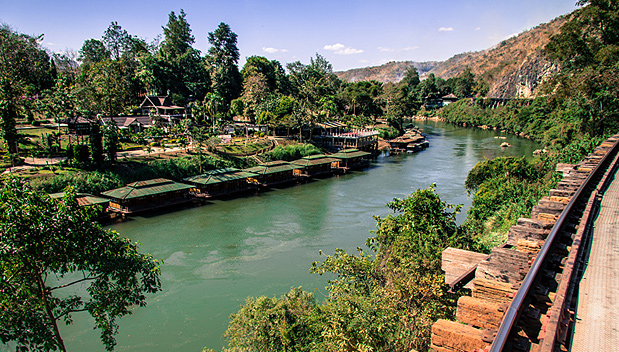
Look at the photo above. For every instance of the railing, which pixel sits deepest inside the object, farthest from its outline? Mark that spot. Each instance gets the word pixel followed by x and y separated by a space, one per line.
pixel 517 305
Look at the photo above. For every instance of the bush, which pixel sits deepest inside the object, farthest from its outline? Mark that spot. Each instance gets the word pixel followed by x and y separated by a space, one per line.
pixel 291 152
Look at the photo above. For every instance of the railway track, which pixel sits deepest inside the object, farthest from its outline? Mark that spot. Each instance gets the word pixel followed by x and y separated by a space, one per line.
pixel 522 292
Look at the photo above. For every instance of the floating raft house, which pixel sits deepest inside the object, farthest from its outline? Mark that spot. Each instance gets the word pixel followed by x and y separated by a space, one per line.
pixel 147 195
pixel 352 159
pixel 412 141
pixel 222 182
pixel 315 165
pixel 273 173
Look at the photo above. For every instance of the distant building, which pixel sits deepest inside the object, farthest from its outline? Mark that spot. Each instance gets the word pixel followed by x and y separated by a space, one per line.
pixel 162 106
pixel 78 125
pixel 449 98
pixel 336 136
pixel 133 123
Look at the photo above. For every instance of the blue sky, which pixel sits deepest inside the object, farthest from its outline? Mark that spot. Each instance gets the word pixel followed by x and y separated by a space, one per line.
pixel 349 34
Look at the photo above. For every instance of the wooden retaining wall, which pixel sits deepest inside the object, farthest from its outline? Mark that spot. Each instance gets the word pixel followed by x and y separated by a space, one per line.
pixel 498 276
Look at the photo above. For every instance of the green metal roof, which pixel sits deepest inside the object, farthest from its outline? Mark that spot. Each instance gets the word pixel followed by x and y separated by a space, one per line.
pixel 349 154
pixel 220 175
pixel 318 159
pixel 272 167
pixel 145 188
pixel 83 199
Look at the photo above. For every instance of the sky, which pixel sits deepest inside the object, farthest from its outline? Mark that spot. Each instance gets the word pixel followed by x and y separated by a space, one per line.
pixel 349 34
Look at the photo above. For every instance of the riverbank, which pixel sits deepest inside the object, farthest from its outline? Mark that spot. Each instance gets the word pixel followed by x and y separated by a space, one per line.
pixel 219 254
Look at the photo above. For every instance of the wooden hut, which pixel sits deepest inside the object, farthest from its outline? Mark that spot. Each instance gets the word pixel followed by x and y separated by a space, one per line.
pixel 221 182
pixel 78 125
pixel 351 159
pixel 315 165
pixel 273 173
pixel 147 195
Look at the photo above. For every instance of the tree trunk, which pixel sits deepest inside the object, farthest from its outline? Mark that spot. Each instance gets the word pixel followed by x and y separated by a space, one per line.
pixel 48 310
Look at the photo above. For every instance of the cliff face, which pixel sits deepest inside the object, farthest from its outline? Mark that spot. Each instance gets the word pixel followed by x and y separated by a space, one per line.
pixel 522 82
pixel 514 68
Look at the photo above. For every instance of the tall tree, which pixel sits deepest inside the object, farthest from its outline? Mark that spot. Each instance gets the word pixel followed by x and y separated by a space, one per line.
pixel 310 83
pixel 116 40
pixel 255 91
pixel 107 87
pixel 93 51
pixel 49 247
pixel 96 144
pixel 178 38
pixel 24 71
pixel 213 104
pixel 223 58
pixel 110 140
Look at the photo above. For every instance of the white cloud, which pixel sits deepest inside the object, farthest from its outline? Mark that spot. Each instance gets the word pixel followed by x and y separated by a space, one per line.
pixel 274 50
pixel 334 47
pixel 445 29
pixel 478 28
pixel 386 50
pixel 341 49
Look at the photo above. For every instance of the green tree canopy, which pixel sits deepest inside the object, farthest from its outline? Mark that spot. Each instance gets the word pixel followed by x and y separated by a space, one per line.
pixel 116 40
pixel 93 51
pixel 223 58
pixel 49 246
pixel 382 302
pixel 178 37
pixel 24 71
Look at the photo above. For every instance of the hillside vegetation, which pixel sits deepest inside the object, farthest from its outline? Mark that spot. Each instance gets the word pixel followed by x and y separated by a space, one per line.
pixel 513 68
pixel 390 72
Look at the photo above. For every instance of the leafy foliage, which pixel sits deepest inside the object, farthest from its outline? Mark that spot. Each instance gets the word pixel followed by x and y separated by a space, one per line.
pixel 95 182
pixel 274 324
pixel 47 246
pixel 291 152
pixel 24 71
pixel 381 302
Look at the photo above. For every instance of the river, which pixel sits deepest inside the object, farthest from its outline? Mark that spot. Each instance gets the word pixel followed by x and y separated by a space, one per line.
pixel 218 254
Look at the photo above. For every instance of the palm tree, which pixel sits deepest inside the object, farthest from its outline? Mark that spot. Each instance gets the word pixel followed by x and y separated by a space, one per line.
pixel 213 103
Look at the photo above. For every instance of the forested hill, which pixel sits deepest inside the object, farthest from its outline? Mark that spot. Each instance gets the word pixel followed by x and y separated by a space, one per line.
pixel 389 72
pixel 513 68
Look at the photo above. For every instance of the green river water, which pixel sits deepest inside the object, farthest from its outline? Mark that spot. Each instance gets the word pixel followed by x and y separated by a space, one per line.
pixel 218 254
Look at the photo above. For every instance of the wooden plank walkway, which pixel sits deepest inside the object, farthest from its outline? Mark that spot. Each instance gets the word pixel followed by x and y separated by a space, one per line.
pixel 597 316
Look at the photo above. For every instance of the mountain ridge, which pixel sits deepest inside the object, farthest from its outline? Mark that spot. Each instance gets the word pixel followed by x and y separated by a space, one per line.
pixel 513 68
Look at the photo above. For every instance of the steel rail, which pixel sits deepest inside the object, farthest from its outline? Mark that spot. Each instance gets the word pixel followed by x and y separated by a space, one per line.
pixel 515 308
